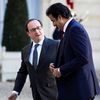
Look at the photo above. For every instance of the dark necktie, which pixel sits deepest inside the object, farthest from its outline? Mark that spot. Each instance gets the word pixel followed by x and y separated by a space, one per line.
pixel 35 56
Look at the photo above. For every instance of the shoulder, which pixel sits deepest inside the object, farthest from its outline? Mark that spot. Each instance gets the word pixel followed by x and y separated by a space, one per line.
pixel 51 41
pixel 27 47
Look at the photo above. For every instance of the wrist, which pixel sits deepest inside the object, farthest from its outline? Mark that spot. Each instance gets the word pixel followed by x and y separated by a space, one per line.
pixel 15 93
pixel 58 69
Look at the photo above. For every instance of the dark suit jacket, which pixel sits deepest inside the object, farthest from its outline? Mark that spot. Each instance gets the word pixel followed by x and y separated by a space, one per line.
pixel 41 79
pixel 78 80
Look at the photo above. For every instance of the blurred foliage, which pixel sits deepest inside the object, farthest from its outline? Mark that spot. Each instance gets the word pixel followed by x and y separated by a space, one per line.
pixel 14 35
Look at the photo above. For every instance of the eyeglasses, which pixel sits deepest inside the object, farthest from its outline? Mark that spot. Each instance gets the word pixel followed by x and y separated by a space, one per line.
pixel 34 29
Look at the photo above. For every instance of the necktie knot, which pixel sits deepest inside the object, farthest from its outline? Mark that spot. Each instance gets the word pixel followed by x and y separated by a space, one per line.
pixel 36 45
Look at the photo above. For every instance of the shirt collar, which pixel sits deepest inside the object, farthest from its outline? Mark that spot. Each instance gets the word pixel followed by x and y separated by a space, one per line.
pixel 66 24
pixel 40 43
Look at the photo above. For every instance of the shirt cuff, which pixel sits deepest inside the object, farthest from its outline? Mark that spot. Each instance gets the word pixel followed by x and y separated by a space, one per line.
pixel 15 92
pixel 58 70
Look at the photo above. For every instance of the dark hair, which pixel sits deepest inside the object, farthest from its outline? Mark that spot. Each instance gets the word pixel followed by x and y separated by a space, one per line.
pixel 58 9
pixel 26 28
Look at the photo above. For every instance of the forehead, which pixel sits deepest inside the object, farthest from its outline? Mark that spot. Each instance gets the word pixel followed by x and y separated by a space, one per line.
pixel 34 23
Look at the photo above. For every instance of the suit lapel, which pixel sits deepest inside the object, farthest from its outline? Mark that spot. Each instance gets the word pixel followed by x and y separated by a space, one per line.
pixel 43 53
pixel 59 53
pixel 28 50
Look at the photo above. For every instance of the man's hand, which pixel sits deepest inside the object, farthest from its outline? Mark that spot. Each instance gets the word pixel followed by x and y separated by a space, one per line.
pixel 55 71
pixel 13 96
pixel 51 67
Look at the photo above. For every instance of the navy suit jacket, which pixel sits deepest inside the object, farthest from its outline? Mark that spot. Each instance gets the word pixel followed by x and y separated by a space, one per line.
pixel 41 79
pixel 78 80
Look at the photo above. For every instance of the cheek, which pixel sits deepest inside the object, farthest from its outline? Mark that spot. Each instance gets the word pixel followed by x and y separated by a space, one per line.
pixel 31 35
pixel 41 31
pixel 57 24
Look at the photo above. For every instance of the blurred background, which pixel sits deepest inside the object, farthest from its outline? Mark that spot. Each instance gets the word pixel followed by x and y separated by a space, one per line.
pixel 14 14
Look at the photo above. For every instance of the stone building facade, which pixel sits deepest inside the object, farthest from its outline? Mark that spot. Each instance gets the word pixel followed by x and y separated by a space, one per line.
pixel 87 10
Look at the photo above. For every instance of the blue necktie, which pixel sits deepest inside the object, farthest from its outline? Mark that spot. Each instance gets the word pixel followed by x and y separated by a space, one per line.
pixel 35 56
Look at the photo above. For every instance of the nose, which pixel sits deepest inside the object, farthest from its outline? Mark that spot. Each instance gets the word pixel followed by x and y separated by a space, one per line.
pixel 54 24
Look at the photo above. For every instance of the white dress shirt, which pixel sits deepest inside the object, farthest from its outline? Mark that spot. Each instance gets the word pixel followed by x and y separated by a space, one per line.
pixel 38 50
pixel 66 24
